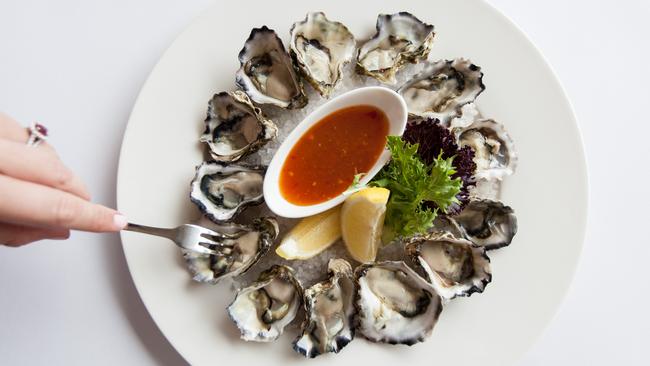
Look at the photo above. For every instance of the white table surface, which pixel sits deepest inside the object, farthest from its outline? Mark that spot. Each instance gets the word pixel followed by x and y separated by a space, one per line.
pixel 78 65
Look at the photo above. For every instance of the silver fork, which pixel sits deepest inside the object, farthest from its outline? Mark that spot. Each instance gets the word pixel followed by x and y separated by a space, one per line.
pixel 189 237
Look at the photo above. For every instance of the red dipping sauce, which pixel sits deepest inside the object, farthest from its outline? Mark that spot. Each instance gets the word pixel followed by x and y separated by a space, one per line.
pixel 324 161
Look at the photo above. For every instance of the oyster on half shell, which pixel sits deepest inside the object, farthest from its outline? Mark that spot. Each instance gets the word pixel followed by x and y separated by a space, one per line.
pixel 487 223
pixel 222 191
pixel 267 74
pixel 234 127
pixel 240 246
pixel 442 88
pixel 329 306
pixel 263 309
pixel 494 150
pixel 395 305
pixel 321 48
pixel 400 38
pixel 455 267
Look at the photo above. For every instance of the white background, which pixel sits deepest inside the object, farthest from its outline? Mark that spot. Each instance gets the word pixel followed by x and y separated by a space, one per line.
pixel 77 66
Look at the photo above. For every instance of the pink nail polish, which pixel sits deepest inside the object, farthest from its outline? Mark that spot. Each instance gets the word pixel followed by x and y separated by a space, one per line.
pixel 119 221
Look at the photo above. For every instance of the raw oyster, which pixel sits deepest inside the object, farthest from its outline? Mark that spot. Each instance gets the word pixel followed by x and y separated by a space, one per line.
pixel 329 306
pixel 495 154
pixel 442 88
pixel 222 191
pixel 395 305
pixel 320 48
pixel 267 74
pixel 240 246
pixel 455 267
pixel 263 309
pixel 468 115
pixel 400 38
pixel 487 223
pixel 445 223
pixel 234 127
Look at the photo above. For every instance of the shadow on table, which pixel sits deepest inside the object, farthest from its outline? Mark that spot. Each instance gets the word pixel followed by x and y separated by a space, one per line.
pixel 129 300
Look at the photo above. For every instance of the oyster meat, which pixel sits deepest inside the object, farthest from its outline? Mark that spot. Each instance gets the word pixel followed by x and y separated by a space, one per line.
pixel 395 305
pixel 442 88
pixel 234 127
pixel 321 48
pixel 494 151
pixel 267 74
pixel 487 223
pixel 400 38
pixel 263 309
pixel 329 306
pixel 222 191
pixel 240 246
pixel 455 267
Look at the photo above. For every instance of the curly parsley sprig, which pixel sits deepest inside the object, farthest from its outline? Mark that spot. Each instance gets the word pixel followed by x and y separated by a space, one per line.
pixel 412 183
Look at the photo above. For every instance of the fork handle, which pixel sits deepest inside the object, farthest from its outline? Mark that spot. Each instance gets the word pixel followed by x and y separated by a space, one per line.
pixel 158 231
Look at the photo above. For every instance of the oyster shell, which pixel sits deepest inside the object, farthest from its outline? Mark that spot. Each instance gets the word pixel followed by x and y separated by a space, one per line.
pixel 468 115
pixel 329 306
pixel 240 246
pixel 442 88
pixel 263 309
pixel 267 74
pixel 455 267
pixel 400 38
pixel 395 305
pixel 222 191
pixel 234 127
pixel 494 150
pixel 487 223
pixel 321 48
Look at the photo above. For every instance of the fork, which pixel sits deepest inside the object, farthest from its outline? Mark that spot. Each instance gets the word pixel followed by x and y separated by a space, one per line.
pixel 189 237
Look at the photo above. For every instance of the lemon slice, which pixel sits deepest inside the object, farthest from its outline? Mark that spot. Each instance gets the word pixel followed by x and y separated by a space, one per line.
pixel 312 235
pixel 362 222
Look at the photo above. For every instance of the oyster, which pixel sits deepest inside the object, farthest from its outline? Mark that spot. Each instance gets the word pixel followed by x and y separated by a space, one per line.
pixel 455 267
pixel 240 246
pixel 234 127
pixel 222 191
pixel 468 115
pixel 263 309
pixel 495 154
pixel 400 38
pixel 442 88
pixel 329 306
pixel 267 74
pixel 320 48
pixel 445 223
pixel 487 223
pixel 395 305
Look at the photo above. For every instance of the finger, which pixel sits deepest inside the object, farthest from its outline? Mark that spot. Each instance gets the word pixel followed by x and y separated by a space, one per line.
pixel 17 235
pixel 32 204
pixel 39 166
pixel 13 131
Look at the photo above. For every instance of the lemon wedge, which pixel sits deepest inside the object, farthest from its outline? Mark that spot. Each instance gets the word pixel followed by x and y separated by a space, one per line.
pixel 362 222
pixel 311 235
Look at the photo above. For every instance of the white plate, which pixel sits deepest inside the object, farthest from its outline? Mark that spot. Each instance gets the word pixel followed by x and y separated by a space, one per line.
pixel 548 192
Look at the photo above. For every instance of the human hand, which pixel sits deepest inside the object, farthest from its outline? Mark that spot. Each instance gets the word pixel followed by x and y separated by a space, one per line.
pixel 40 198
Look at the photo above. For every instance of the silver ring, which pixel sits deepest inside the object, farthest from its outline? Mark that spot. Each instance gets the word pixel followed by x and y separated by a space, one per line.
pixel 37 134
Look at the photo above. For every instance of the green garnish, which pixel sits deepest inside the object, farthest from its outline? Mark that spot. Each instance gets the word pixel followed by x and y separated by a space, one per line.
pixel 356 184
pixel 411 183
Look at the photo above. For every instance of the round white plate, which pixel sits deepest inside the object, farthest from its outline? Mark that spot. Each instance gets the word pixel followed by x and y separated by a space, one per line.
pixel 548 191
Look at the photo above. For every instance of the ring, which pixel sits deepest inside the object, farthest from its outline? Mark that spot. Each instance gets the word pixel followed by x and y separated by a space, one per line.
pixel 37 134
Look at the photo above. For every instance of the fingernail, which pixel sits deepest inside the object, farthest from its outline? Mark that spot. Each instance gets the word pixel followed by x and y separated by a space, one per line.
pixel 119 221
pixel 61 236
